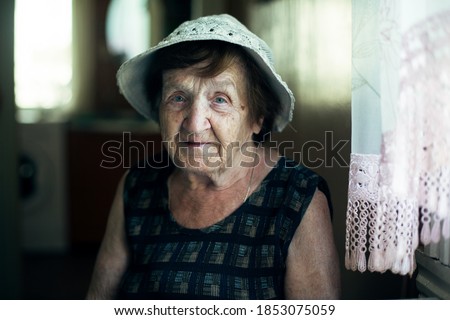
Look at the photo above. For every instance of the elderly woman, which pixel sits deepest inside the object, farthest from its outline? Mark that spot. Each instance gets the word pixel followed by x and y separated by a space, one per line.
pixel 219 216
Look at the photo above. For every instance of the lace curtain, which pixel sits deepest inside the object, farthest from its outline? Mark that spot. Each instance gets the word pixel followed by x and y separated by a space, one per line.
pixel 399 183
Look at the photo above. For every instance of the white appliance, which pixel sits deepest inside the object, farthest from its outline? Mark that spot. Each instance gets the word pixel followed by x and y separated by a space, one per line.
pixel 43 187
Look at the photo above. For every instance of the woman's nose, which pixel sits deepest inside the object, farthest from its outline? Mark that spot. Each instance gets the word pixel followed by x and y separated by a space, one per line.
pixel 197 116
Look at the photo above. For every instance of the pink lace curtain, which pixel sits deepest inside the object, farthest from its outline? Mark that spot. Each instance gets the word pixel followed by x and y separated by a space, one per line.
pixel 399 183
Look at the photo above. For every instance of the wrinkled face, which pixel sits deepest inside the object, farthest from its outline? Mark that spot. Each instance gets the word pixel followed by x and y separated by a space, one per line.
pixel 204 121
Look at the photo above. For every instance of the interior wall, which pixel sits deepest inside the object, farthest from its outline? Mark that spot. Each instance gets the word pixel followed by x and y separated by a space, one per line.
pixel 237 8
pixel 83 55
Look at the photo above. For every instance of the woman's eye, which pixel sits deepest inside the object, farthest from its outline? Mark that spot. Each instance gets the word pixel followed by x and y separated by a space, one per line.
pixel 220 100
pixel 178 98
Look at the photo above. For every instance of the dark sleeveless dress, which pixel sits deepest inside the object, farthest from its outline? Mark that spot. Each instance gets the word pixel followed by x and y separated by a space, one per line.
pixel 241 257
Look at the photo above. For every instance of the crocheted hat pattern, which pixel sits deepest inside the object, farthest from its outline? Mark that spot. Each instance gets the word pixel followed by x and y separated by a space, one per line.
pixel 131 74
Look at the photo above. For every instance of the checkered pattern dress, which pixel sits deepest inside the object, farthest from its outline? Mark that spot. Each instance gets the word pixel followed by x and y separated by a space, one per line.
pixel 241 257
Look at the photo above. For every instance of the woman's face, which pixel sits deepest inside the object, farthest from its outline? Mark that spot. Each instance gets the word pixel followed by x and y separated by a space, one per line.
pixel 205 121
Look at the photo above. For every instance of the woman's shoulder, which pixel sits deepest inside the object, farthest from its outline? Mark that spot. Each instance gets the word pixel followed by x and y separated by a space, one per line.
pixel 145 186
pixel 290 170
pixel 149 170
pixel 298 182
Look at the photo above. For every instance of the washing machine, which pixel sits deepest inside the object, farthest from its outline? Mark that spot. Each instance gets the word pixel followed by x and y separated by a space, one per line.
pixel 43 187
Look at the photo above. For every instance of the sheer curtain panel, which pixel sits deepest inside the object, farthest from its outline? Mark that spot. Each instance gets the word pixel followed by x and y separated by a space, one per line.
pixel 399 183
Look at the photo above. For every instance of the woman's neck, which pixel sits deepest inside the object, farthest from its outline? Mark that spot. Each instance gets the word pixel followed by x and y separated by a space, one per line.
pixel 198 201
pixel 260 160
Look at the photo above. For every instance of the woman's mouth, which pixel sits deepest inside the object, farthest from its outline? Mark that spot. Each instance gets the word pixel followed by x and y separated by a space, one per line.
pixel 192 144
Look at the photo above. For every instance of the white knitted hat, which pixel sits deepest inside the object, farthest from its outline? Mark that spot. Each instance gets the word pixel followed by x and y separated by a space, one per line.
pixel 131 74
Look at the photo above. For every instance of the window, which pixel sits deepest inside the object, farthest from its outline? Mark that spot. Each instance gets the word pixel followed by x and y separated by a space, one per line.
pixel 43 54
pixel 128 27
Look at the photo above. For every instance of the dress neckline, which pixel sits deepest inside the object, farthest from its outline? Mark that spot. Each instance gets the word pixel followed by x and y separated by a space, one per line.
pixel 218 225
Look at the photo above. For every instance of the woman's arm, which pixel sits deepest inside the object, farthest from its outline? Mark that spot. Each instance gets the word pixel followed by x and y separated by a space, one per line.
pixel 112 258
pixel 312 267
